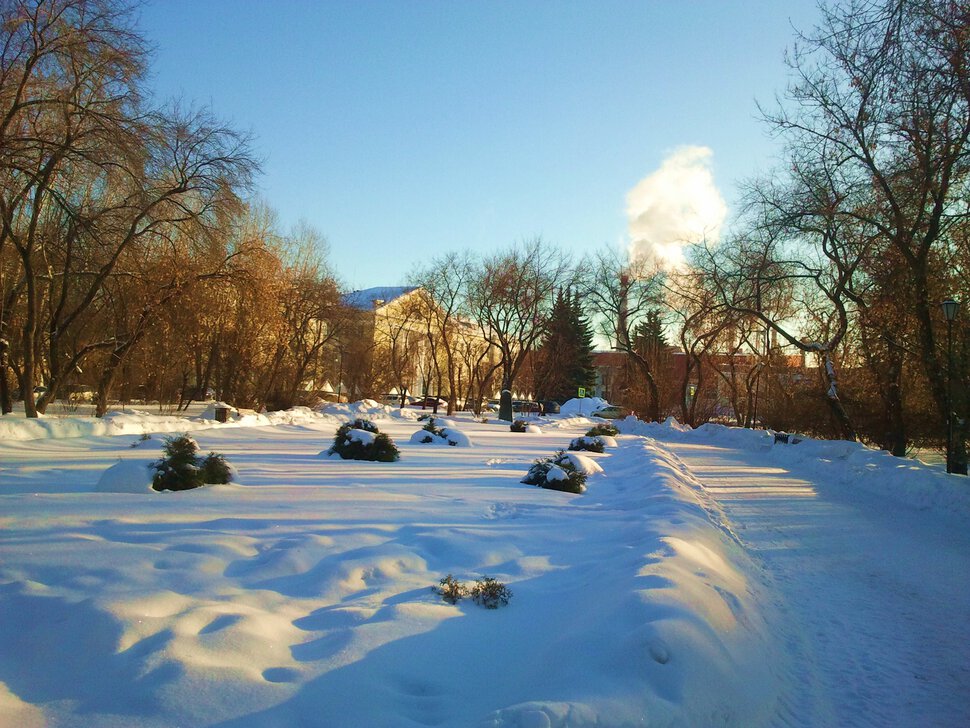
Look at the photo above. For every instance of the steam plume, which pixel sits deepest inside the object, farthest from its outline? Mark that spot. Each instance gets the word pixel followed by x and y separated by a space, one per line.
pixel 675 206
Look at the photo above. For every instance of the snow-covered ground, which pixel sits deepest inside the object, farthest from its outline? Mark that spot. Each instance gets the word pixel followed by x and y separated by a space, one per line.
pixel 705 578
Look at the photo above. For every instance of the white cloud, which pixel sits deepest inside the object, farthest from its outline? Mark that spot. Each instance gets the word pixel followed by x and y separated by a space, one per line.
pixel 675 206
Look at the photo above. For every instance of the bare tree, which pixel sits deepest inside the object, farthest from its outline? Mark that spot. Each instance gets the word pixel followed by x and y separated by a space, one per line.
pixel 88 174
pixel 621 292
pixel 446 280
pixel 510 298
pixel 880 100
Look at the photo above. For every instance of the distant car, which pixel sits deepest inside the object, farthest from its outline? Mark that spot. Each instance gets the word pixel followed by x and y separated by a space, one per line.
pixel 551 407
pixel 612 412
pixel 80 393
pixel 521 405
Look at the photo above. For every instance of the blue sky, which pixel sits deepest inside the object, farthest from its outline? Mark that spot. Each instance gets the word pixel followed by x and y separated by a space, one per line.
pixel 401 130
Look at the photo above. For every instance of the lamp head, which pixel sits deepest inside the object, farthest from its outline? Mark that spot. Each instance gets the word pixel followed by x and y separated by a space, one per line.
pixel 950 308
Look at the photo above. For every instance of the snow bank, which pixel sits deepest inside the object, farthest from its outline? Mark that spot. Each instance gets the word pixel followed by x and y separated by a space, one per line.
pixel 905 481
pixel 368 409
pixel 135 422
pixel 851 464
pixel 556 422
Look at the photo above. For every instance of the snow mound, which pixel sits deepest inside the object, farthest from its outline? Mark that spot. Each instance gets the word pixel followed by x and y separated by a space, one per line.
pixel 127 476
pixel 582 463
pixel 738 437
pixel 534 429
pixel 673 424
pixel 584 406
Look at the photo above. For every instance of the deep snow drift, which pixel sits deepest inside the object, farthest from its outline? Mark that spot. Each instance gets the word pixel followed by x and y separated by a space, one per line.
pixel 302 593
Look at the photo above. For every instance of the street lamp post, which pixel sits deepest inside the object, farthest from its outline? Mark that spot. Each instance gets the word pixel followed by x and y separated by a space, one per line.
pixel 949 312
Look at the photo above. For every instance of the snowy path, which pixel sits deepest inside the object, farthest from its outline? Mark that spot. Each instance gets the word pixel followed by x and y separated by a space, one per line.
pixel 876 598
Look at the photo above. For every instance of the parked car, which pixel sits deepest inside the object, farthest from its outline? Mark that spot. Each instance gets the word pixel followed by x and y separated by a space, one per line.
pixel 520 405
pixel 612 412
pixel 550 407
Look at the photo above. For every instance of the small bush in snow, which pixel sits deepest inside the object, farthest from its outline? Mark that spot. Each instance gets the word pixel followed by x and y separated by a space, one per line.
pixel 604 429
pixel 183 469
pixel 556 473
pixel 518 426
pixel 440 435
pixel 592 444
pixel 145 437
pixel 215 469
pixel 490 594
pixel 361 440
pixel 451 590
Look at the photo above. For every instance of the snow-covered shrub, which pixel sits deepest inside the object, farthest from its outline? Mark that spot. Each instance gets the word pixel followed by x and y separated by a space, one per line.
pixel 490 593
pixel 451 590
pixel 440 432
pixel 361 440
pixel 183 469
pixel 433 431
pixel 592 444
pixel 602 429
pixel 560 472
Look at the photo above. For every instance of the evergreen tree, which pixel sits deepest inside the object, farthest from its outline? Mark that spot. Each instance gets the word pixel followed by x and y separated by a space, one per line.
pixel 648 336
pixel 565 357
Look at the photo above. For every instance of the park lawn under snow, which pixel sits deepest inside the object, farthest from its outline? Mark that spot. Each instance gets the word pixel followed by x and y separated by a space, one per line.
pixel 302 594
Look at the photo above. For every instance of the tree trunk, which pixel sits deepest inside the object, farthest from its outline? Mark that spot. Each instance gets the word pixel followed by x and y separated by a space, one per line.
pixel 895 440
pixel 107 379
pixel 653 402
pixel 846 429
pixel 6 401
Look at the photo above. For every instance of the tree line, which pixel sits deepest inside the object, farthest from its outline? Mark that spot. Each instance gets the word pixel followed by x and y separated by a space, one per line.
pixel 133 259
